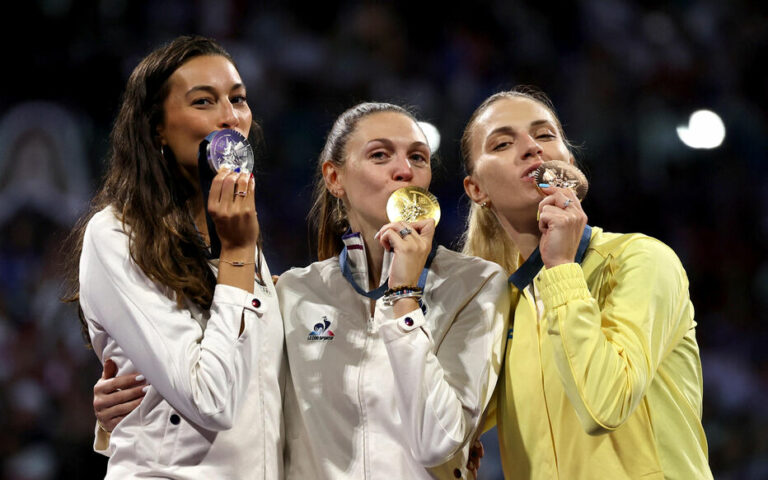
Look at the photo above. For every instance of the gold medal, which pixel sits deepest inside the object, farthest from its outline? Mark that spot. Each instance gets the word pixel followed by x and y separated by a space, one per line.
pixel 557 173
pixel 410 204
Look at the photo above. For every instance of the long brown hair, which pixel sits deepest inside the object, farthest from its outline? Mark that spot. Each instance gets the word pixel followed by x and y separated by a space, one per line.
pixel 146 186
pixel 484 236
pixel 327 215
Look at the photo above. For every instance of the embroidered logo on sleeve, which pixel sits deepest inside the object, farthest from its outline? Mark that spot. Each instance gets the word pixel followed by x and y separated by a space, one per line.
pixel 321 331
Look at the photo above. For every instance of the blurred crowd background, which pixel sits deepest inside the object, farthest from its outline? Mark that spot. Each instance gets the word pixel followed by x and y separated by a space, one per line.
pixel 623 75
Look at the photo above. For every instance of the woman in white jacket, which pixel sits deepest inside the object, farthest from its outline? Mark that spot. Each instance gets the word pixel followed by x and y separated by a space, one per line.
pixel 206 333
pixel 385 385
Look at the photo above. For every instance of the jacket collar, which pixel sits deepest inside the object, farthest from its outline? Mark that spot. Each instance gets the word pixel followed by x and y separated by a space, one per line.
pixel 357 259
pixel 523 276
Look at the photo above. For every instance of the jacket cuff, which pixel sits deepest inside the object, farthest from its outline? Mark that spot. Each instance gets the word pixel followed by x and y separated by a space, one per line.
pixel 396 328
pixel 229 295
pixel 561 284
pixel 101 442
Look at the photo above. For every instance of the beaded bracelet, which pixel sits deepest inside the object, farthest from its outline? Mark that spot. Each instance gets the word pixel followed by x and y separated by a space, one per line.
pixel 404 291
pixel 401 288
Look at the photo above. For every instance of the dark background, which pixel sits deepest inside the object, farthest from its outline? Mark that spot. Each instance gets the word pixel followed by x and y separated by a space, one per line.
pixel 622 74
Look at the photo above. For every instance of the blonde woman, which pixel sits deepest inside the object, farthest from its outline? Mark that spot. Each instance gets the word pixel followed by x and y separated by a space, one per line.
pixel 602 377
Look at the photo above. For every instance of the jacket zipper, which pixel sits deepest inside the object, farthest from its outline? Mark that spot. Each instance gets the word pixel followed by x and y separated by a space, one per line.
pixel 360 396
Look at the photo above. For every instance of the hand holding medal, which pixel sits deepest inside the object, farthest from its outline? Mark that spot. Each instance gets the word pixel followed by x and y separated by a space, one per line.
pixel 409 233
pixel 560 216
pixel 225 149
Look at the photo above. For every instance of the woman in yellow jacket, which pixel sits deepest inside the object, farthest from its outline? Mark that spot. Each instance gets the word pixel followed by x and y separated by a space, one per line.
pixel 602 377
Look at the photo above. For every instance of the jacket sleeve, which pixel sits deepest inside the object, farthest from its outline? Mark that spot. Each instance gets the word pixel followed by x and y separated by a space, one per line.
pixel 441 390
pixel 607 356
pixel 101 443
pixel 203 372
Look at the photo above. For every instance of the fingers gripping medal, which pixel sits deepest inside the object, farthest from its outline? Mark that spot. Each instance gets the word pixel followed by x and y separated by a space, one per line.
pixel 557 173
pixel 221 148
pixel 410 204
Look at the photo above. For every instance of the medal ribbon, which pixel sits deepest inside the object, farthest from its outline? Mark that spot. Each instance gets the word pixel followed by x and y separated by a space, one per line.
pixel 524 275
pixel 377 293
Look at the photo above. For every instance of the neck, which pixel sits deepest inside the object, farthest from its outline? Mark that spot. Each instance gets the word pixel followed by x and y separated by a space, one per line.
pixel 524 233
pixel 374 251
pixel 375 259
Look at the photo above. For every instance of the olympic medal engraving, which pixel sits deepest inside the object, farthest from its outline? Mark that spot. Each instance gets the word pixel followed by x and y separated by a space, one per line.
pixel 557 173
pixel 228 148
pixel 410 204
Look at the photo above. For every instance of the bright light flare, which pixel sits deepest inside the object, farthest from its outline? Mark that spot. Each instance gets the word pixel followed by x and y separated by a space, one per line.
pixel 705 130
pixel 432 134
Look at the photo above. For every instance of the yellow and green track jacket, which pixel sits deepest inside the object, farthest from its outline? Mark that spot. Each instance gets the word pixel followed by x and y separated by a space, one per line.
pixel 602 377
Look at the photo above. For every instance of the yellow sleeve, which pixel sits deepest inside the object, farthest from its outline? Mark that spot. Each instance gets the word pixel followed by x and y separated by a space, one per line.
pixel 489 416
pixel 607 351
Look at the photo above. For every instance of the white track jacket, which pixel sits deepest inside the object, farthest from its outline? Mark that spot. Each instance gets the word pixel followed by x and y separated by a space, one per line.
pixel 213 408
pixel 377 397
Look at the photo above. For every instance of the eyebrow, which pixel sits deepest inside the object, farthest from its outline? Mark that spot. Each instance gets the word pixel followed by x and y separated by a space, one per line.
pixel 390 144
pixel 509 130
pixel 210 89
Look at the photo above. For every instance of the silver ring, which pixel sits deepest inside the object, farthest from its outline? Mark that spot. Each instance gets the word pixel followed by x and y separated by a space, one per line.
pixel 567 202
pixel 241 194
pixel 405 231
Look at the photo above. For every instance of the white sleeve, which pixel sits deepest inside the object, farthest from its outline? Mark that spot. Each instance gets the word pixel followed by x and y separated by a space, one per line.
pixel 441 392
pixel 202 373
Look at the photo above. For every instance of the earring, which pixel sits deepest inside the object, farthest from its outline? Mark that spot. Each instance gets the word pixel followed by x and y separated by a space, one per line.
pixel 484 205
pixel 162 151
pixel 338 211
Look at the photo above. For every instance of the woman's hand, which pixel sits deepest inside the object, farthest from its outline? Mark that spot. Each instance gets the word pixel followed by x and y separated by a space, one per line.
pixel 561 222
pixel 116 397
pixel 233 210
pixel 411 243
pixel 476 452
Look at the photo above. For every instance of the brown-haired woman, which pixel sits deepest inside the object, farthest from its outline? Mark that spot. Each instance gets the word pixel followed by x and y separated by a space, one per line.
pixel 394 345
pixel 602 375
pixel 206 333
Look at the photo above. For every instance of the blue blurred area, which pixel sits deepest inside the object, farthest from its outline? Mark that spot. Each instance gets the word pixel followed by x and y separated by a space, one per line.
pixel 623 74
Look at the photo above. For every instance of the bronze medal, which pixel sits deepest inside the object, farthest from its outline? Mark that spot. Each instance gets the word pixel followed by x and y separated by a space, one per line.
pixel 557 173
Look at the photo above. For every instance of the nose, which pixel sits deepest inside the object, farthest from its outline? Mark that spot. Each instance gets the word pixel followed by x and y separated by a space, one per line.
pixel 531 147
pixel 403 170
pixel 228 117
